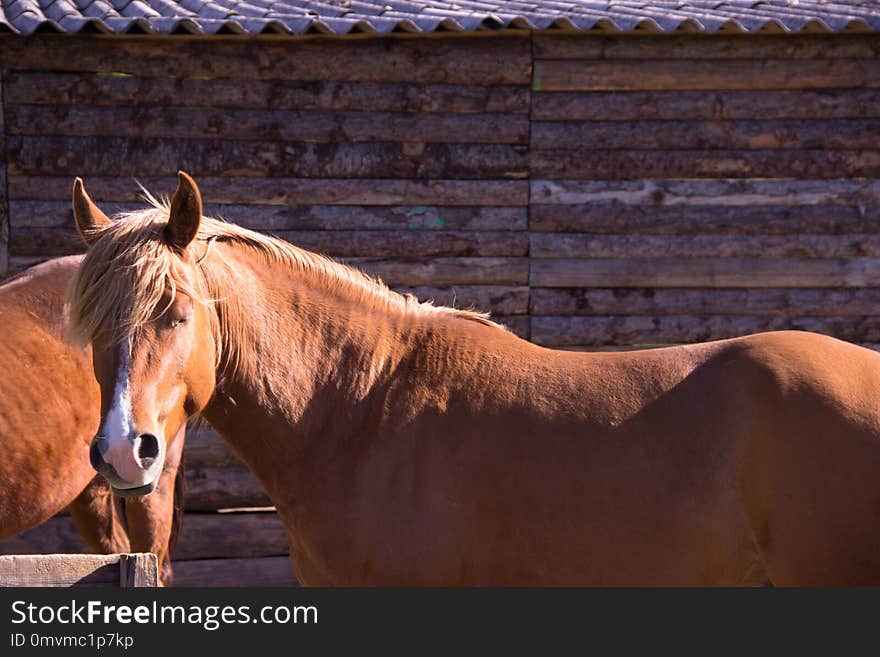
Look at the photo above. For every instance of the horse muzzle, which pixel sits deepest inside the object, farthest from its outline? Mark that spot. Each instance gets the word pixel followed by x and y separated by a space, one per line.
pixel 131 465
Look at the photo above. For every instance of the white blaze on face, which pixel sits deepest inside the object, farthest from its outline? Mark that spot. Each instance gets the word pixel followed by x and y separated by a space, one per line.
pixel 119 424
pixel 118 429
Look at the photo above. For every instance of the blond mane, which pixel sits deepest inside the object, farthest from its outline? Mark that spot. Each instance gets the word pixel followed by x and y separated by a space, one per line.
pixel 129 268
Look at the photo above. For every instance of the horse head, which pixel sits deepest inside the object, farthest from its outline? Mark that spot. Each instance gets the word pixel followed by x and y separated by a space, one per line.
pixel 138 299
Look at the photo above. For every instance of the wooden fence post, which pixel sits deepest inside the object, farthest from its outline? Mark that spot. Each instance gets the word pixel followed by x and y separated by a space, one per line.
pixel 138 570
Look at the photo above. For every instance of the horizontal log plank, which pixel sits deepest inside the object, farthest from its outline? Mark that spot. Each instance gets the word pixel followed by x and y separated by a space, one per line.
pixel 202 536
pixel 18 264
pixel 706 135
pixel 45 242
pixel 205 448
pixel 285 191
pixel 498 60
pixel 855 192
pixel 117 156
pixel 4 195
pixel 768 163
pixel 264 125
pixel 640 329
pixel 404 243
pixel 672 220
pixel 39 87
pixel 231 487
pixel 427 218
pixel 795 246
pixel 215 477
pixel 253 571
pixel 786 302
pixel 59 214
pixel 54 214
pixel 822 104
pixel 446 271
pixel 25 241
pixel 667 46
pixel 497 299
pixel 57 535
pixel 705 272
pixel 517 324
pixel 229 536
pixel 704 74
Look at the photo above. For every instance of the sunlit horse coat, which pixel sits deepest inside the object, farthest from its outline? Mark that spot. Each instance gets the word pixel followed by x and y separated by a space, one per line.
pixel 408 444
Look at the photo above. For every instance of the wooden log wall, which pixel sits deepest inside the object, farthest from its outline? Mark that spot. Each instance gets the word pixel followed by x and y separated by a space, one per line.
pixel 593 192
pixel 406 157
pixel 696 188
pixel 590 191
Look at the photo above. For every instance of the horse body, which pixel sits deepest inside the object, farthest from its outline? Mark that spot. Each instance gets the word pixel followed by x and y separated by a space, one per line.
pixel 46 428
pixel 49 404
pixel 470 456
pixel 407 444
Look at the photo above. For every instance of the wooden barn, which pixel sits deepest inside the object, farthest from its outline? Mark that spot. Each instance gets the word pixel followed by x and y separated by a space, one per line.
pixel 598 175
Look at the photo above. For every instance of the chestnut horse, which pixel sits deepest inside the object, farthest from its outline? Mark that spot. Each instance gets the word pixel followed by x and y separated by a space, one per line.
pixel 48 415
pixel 404 443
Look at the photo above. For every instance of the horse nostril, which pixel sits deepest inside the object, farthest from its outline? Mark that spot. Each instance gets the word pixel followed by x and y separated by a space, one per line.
pixel 95 457
pixel 148 447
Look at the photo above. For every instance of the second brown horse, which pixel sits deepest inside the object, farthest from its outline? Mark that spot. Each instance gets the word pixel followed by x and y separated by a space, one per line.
pixel 49 413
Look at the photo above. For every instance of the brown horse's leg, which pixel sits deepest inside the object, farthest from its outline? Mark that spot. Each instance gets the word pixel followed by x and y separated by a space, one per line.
pixel 98 515
pixel 153 519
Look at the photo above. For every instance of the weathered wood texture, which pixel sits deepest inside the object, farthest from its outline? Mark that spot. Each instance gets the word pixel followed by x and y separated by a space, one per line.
pixel 209 535
pixel 690 188
pixel 247 571
pixel 217 480
pixel 108 90
pixel 676 329
pixel 405 156
pixel 501 60
pixel 62 570
pixel 4 195
pixel 656 301
pixel 342 244
pixel 292 192
pixel 702 74
pixel 138 570
pixel 592 192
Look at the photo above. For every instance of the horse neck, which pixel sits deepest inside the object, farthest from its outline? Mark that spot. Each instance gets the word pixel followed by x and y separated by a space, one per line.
pixel 325 362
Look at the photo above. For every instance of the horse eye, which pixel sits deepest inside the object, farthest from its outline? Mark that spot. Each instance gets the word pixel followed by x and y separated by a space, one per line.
pixel 177 322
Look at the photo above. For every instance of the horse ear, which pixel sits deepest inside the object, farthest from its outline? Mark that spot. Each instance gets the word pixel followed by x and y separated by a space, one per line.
pixel 89 218
pixel 185 213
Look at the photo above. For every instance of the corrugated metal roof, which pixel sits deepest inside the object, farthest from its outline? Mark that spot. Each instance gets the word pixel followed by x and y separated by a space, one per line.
pixel 339 17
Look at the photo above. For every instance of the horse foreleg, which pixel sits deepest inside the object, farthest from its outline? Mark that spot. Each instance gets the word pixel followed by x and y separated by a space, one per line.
pixel 153 520
pixel 100 518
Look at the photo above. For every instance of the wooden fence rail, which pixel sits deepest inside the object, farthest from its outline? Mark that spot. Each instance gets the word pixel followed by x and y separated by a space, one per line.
pixel 119 570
